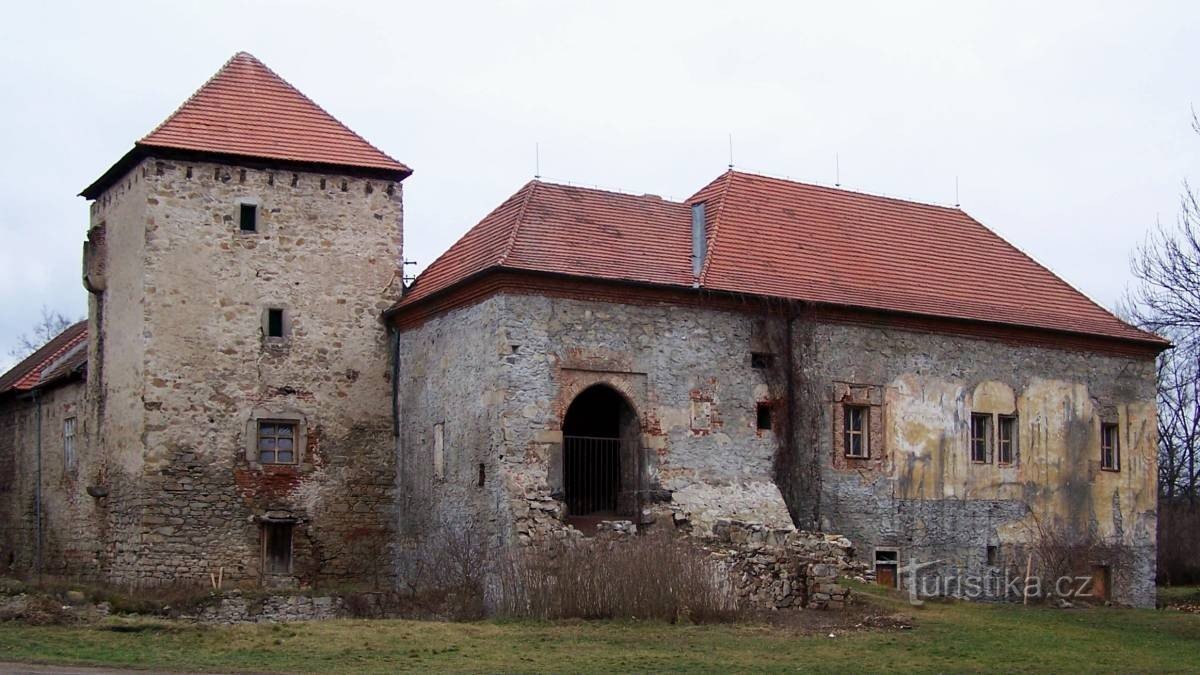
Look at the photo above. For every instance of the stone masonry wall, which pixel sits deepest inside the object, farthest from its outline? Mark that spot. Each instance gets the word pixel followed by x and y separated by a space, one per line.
pixel 187 370
pixel 70 545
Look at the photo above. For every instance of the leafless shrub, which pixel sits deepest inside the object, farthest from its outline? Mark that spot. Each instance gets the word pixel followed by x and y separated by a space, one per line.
pixel 1178 542
pixel 649 577
pixel 1062 550
pixel 445 574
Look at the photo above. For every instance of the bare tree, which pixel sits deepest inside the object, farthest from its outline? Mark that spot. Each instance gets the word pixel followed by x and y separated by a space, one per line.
pixel 46 329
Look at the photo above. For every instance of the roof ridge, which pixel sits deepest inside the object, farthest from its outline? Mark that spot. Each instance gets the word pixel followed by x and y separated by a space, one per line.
pixel 512 235
pixel 712 248
pixel 847 191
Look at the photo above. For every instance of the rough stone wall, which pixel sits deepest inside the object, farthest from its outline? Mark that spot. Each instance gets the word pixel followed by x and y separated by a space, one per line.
pixel 186 368
pixel 921 494
pixel 688 375
pixel 70 544
pixel 450 396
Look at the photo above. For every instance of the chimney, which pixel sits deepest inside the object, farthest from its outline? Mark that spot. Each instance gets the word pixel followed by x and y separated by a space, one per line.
pixel 699 239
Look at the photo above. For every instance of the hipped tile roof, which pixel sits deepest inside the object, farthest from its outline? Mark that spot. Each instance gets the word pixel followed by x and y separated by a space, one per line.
pixel 778 238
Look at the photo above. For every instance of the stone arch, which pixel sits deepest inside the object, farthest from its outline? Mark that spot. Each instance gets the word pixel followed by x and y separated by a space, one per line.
pixel 601 454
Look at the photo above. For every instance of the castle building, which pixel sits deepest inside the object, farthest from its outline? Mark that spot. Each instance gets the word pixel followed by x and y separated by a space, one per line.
pixel 257 392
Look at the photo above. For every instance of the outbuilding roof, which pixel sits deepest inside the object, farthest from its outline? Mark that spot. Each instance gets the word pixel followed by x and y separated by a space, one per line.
pixel 58 359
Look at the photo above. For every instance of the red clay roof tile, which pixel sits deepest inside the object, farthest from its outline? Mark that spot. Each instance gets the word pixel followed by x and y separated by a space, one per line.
pixel 47 363
pixel 246 109
pixel 779 238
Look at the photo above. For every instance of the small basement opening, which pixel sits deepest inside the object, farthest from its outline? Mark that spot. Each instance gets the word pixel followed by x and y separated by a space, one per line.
pixel 601 443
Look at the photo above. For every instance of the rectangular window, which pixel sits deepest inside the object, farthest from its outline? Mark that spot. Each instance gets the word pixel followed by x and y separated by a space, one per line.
pixel 276 442
pixel 761 360
pixel 1110 447
pixel 277 548
pixel 69 443
pixel 1007 432
pixel 981 438
pixel 854 428
pixel 993 555
pixel 275 323
pixel 763 413
pixel 248 218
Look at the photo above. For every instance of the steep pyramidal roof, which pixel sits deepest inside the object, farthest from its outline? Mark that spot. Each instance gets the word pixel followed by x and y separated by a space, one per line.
pixel 778 238
pixel 246 110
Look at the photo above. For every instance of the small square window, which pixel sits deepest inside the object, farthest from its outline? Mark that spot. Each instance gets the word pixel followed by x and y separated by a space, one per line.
pixel 276 442
pixel 248 218
pixel 1110 447
pixel 763 414
pixel 761 360
pixel 1006 452
pixel 277 548
pixel 855 440
pixel 275 323
pixel 981 438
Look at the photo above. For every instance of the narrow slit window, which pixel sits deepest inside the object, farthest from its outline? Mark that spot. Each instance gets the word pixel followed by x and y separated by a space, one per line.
pixel 1110 447
pixel 1006 453
pixel 981 438
pixel 248 218
pixel 854 428
pixel 277 548
pixel 760 360
pixel 993 555
pixel 763 413
pixel 69 443
pixel 276 442
pixel 275 323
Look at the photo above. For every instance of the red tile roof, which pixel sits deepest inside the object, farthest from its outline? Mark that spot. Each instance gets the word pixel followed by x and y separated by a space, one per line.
pixel 57 359
pixel 778 238
pixel 247 110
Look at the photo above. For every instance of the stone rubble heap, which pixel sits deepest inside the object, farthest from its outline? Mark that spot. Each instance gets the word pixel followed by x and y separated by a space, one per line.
pixel 784 568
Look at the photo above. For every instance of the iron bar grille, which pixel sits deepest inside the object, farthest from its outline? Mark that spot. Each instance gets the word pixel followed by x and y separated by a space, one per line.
pixel 592 473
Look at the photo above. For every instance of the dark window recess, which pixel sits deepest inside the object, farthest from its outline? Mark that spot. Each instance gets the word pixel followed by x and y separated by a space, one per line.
pixel 248 220
pixel 276 443
pixel 1007 431
pixel 481 475
pixel 1110 447
pixel 854 418
pixel 764 416
pixel 760 360
pixel 275 323
pixel 277 548
pixel 993 555
pixel 981 438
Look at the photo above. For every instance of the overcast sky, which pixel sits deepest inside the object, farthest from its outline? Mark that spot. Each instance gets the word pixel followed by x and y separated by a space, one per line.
pixel 1066 126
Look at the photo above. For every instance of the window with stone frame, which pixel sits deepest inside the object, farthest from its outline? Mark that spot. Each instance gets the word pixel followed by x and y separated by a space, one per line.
pixel 1110 447
pixel 856 423
pixel 1007 433
pixel 276 442
pixel 981 438
pixel 857 413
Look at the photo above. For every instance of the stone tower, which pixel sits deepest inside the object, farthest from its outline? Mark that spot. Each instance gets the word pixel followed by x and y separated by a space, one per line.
pixel 239 384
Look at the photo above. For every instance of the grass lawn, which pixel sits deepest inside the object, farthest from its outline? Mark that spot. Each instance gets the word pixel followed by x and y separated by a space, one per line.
pixel 947 637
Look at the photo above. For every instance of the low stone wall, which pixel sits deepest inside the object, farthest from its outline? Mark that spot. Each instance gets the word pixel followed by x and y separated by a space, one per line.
pixel 780 568
pixel 234 607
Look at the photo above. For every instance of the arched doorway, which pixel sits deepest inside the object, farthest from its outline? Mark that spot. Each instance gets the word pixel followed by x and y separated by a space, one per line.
pixel 601 443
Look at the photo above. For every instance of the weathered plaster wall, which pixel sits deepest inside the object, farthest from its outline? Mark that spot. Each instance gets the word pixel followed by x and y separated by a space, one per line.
pixel 450 396
pixel 921 493
pixel 186 365
pixel 70 543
